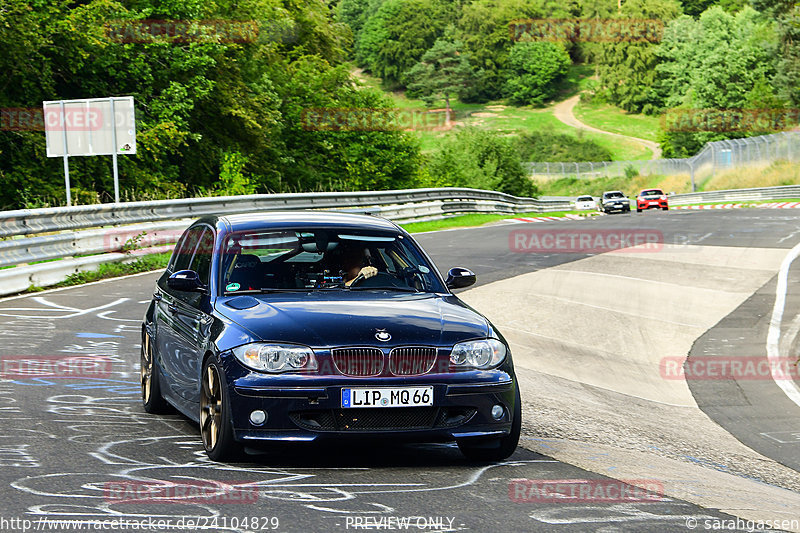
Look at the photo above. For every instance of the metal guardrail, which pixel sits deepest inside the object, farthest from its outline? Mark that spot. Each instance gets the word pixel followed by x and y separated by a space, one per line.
pixel 32 221
pixel 737 195
pixel 68 244
pixel 86 236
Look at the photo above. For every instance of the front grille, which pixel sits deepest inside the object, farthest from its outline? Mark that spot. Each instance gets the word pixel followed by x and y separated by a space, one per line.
pixel 358 361
pixel 382 419
pixel 412 361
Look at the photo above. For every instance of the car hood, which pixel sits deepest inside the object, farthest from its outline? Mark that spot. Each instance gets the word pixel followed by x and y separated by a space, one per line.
pixel 343 318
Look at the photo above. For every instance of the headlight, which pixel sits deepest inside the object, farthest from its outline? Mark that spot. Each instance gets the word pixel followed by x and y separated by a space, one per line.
pixel 276 358
pixel 483 354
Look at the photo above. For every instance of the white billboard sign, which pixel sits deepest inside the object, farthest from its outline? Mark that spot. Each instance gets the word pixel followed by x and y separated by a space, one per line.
pixel 91 126
pixel 95 126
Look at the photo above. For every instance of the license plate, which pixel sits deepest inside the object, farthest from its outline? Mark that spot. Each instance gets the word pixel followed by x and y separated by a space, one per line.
pixel 388 397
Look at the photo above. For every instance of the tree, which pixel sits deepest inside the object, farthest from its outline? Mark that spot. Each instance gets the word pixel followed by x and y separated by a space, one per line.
pixel 626 69
pixel 787 70
pixel 443 72
pixel 693 8
pixel 696 7
pixel 535 70
pixel 483 28
pixel 397 35
pixel 354 13
pixel 720 61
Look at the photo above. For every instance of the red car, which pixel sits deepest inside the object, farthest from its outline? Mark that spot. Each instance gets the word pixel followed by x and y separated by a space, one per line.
pixel 651 198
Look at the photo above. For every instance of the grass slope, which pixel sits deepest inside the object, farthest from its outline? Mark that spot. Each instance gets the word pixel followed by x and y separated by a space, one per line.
pixel 498 116
pixel 610 118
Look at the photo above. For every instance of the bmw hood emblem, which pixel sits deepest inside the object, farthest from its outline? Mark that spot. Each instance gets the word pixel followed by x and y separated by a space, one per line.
pixel 383 335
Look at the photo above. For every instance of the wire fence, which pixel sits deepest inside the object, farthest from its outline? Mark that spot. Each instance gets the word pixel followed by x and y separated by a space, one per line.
pixel 715 156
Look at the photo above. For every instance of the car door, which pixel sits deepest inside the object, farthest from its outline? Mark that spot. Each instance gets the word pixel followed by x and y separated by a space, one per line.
pixel 192 322
pixel 168 342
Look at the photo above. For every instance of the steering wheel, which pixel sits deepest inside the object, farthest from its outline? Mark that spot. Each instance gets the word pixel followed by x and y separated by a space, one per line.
pixel 412 276
pixel 358 279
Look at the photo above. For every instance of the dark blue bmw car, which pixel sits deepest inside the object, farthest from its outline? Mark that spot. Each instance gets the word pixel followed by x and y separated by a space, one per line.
pixel 304 326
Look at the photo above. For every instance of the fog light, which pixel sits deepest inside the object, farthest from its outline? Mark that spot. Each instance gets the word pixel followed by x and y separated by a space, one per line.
pixel 497 412
pixel 258 417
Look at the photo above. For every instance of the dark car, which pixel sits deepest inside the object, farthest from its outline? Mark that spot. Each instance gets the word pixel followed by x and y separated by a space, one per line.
pixel 611 201
pixel 306 326
pixel 651 199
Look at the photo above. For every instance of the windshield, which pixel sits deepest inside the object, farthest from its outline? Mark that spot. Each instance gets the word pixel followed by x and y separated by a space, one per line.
pixel 300 260
pixel 585 199
pixel 614 195
pixel 652 192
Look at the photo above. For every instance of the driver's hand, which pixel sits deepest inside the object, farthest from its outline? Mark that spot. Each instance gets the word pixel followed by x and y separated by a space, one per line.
pixel 368 272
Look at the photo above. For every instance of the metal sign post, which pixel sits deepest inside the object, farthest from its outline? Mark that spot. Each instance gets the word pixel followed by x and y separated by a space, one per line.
pixel 114 153
pixel 94 126
pixel 66 161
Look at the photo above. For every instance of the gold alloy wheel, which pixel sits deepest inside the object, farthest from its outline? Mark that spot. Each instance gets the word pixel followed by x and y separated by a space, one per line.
pixel 210 408
pixel 146 365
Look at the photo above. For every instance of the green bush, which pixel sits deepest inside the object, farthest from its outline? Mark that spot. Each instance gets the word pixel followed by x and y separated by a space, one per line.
pixel 483 160
pixel 543 146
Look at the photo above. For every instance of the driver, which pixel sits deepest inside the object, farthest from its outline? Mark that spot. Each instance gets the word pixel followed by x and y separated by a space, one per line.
pixel 352 260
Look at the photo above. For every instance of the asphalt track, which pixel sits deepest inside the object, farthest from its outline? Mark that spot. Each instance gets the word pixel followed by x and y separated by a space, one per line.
pixel 67 444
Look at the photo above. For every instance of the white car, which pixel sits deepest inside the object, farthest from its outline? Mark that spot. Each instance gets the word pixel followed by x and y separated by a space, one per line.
pixel 585 202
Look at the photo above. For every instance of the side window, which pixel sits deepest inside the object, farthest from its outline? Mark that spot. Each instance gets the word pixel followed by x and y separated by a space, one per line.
pixel 202 256
pixel 185 249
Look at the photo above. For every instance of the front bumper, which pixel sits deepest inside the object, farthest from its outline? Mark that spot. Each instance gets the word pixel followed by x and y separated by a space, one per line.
pixel 311 410
pixel 651 204
pixel 616 207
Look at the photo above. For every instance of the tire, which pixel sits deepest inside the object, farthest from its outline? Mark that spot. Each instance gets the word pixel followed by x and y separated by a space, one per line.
pixel 665 208
pixel 496 449
pixel 150 380
pixel 216 428
pixel 638 210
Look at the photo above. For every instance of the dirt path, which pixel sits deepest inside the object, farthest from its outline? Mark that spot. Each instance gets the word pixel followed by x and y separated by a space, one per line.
pixel 563 112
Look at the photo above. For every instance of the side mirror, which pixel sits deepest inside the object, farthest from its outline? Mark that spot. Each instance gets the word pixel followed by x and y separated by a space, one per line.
pixel 186 281
pixel 458 278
